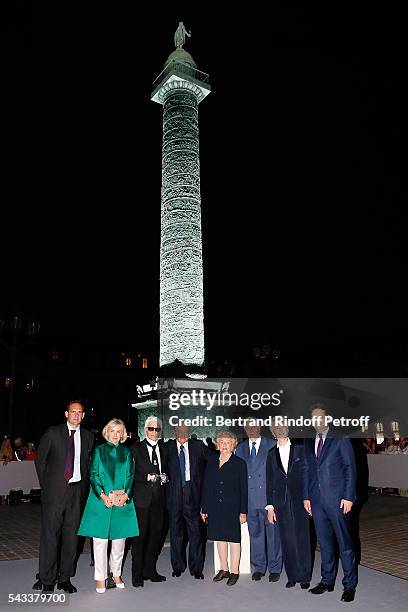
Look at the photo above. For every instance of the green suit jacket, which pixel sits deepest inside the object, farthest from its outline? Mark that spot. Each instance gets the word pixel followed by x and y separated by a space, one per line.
pixel 112 467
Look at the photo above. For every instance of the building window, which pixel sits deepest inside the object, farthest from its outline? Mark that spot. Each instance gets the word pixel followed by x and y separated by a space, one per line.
pixel 128 362
pixel 8 382
pixel 55 355
pixel 145 363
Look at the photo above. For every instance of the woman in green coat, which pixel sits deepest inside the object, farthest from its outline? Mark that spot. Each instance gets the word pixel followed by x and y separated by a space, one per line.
pixel 110 512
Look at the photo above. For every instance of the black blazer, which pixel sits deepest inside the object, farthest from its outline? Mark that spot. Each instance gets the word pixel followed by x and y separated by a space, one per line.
pixel 225 490
pixel 198 453
pixel 143 490
pixel 281 487
pixel 50 462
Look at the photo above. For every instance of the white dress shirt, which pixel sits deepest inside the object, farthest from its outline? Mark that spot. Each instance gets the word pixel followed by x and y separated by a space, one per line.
pixel 187 456
pixel 257 445
pixel 150 451
pixel 284 452
pixel 324 436
pixel 76 476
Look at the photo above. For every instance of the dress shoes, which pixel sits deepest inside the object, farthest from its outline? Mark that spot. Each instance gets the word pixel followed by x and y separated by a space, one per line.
pixel 48 588
pixel 273 577
pixel 156 578
pixel 198 576
pixel 66 586
pixel 257 576
pixel 320 588
pixel 290 584
pixel 37 586
pixel 176 573
pixel 232 579
pixel 110 583
pixel 304 585
pixel 348 595
pixel 221 575
pixel 137 581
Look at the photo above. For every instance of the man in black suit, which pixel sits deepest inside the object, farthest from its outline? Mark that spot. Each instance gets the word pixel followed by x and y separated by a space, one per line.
pixel 62 467
pixel 186 464
pixel 150 502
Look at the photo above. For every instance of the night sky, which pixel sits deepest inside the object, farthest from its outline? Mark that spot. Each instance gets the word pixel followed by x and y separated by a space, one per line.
pixel 301 145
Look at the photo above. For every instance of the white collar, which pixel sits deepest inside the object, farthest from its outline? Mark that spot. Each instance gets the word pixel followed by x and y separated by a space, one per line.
pixel 184 445
pixel 257 441
pixel 151 442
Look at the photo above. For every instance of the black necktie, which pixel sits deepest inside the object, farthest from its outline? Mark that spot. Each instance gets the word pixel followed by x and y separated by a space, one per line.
pixel 155 461
pixel 70 456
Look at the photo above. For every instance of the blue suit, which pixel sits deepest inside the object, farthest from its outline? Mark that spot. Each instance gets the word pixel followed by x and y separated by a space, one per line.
pixel 326 481
pixel 265 541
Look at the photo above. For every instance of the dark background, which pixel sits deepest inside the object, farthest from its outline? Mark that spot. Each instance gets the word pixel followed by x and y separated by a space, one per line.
pixel 302 147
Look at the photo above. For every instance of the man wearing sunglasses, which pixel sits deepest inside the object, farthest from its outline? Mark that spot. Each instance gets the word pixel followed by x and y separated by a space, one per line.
pixel 150 501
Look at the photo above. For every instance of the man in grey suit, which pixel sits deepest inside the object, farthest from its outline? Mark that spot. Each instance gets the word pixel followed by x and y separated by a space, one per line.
pixel 266 552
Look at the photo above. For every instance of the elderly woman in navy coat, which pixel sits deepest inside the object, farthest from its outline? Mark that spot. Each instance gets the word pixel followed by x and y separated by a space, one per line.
pixel 284 493
pixel 225 503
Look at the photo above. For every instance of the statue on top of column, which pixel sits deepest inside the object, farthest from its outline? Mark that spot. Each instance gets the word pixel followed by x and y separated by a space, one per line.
pixel 180 35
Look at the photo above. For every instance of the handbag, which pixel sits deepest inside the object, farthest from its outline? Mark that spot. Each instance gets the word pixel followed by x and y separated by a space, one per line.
pixel 115 496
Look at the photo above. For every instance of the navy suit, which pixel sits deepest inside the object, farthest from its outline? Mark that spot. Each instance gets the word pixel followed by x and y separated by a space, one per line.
pixel 183 503
pixel 325 483
pixel 264 537
pixel 284 492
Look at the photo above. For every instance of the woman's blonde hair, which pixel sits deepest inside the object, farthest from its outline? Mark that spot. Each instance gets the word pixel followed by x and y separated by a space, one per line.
pixel 226 434
pixel 112 422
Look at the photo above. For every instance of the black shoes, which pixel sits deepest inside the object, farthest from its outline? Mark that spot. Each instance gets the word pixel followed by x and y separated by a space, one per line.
pixel 232 579
pixel 320 588
pixel 221 575
pixel 176 573
pixel 110 583
pixel 257 576
pixel 155 578
pixel 304 585
pixel 66 586
pixel 348 595
pixel 274 577
pixel 37 586
pixel 137 581
pixel 48 588
pixel 290 584
pixel 198 576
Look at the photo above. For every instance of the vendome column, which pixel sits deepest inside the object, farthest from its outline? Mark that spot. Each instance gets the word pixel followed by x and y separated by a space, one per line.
pixel 180 88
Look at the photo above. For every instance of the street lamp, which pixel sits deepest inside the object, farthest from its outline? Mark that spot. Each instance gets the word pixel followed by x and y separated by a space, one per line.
pixel 16 335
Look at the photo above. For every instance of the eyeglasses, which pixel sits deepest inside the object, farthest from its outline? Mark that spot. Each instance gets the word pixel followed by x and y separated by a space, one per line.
pixel 154 429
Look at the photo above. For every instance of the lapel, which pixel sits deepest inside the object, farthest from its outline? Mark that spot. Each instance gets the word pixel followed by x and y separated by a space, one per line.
pixel 245 450
pixel 310 448
pixel 146 452
pixel 64 439
pixel 191 456
pixel 260 454
pixel 325 448
pixel 291 456
pixel 278 459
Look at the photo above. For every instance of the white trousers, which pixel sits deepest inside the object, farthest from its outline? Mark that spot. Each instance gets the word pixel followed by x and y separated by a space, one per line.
pixel 101 557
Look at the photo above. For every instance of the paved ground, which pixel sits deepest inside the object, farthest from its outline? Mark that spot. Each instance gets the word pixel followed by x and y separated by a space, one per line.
pixel 376 592
pixel 384 533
